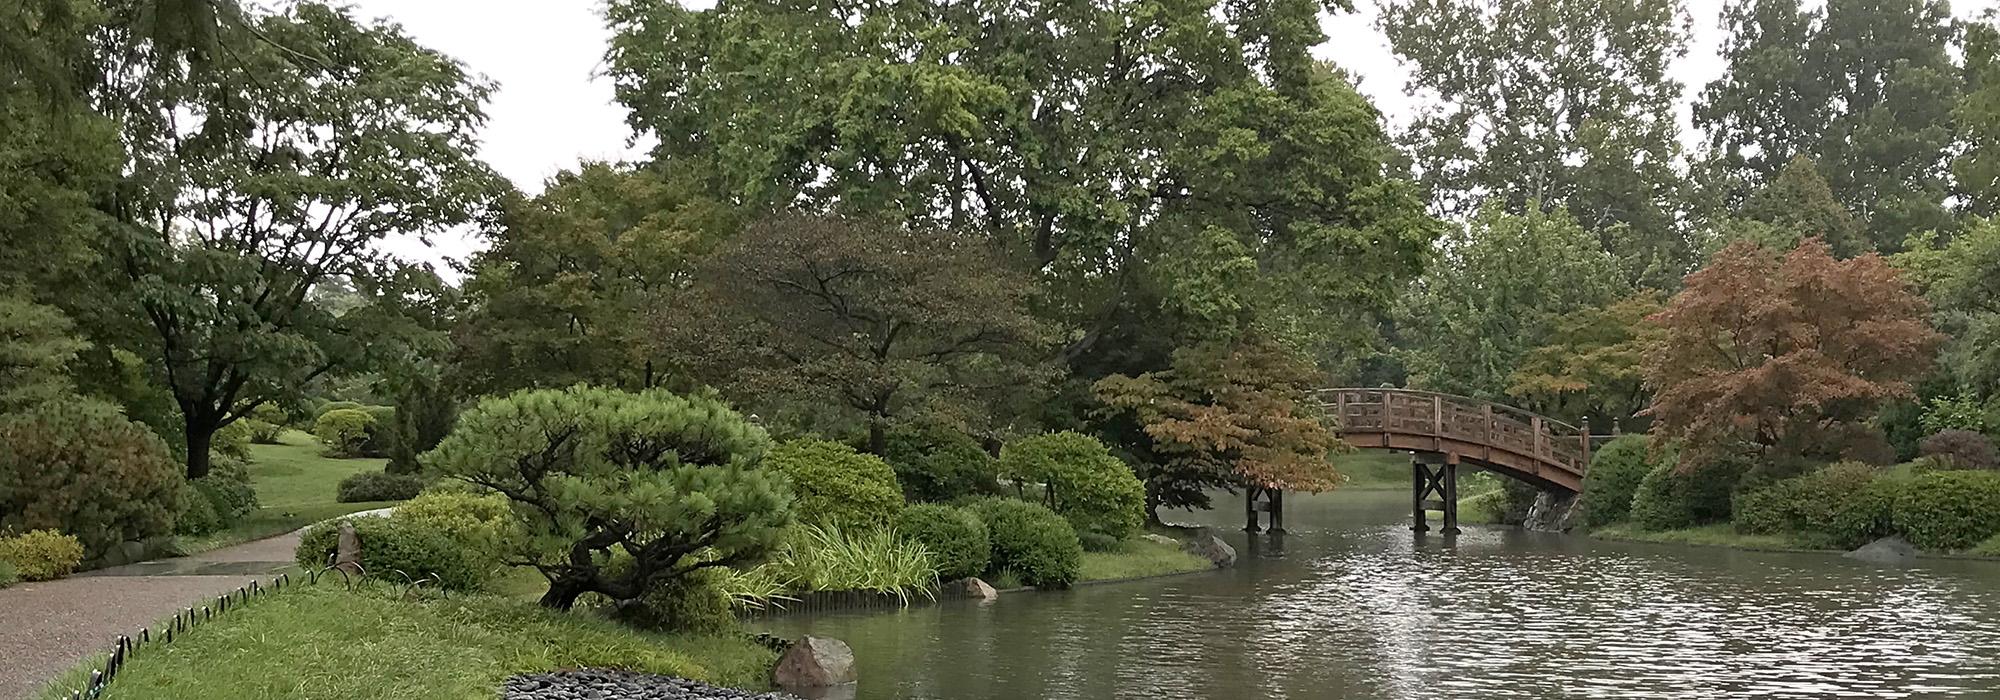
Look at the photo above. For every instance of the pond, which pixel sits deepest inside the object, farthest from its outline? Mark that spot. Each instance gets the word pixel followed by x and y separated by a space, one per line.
pixel 1351 604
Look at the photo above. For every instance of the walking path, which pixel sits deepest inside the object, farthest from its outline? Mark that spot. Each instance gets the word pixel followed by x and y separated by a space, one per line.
pixel 47 627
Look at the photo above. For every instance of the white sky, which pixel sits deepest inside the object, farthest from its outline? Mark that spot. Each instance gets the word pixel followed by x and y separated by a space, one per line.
pixel 552 110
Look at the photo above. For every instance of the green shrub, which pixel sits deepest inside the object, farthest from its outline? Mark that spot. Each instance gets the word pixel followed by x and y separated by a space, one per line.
pixel 836 486
pixel 379 486
pixel 814 558
pixel 1840 506
pixel 81 467
pixel 1098 542
pixel 1488 507
pixel 332 406
pixel 956 538
pixel 1950 510
pixel 1083 481
pixel 1031 541
pixel 937 464
pixel 198 516
pixel 263 433
pixel 695 603
pixel 8 574
pixel 1961 449
pixel 381 437
pixel 42 555
pixel 1616 470
pixel 227 487
pixel 483 521
pixel 232 441
pixel 391 545
pixel 344 431
pixel 1674 496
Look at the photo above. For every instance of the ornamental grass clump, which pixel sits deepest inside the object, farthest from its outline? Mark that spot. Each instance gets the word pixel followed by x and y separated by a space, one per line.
pixel 816 558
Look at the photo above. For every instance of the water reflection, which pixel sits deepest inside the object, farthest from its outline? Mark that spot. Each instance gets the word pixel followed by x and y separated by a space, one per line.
pixel 1352 605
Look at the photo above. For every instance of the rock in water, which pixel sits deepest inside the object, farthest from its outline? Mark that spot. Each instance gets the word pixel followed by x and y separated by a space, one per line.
pixel 815 662
pixel 973 587
pixel 1213 549
pixel 1892 550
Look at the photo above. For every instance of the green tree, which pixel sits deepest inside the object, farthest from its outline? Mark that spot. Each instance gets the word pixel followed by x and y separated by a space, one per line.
pixel 671 482
pixel 1961 278
pixel 1791 208
pixel 36 346
pixel 254 181
pixel 1497 291
pixel 1559 103
pixel 1864 88
pixel 1977 115
pixel 877 324
pixel 562 295
pixel 1592 365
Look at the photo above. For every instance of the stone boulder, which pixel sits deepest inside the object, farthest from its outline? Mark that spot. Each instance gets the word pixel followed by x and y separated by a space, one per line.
pixel 971 587
pixel 815 662
pixel 1553 512
pixel 1212 548
pixel 1888 551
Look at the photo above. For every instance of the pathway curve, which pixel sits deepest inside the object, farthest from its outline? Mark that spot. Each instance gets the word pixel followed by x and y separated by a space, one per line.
pixel 47 627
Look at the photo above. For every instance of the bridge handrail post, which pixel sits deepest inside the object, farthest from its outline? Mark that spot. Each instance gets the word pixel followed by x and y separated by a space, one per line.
pixel 1540 436
pixel 1584 466
pixel 1437 415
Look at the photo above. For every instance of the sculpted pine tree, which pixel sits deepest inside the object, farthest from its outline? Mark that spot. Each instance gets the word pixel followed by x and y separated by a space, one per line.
pixel 277 167
pixel 1787 355
pixel 1226 415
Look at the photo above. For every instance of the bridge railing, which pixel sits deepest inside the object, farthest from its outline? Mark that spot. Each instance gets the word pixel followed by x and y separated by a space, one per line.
pixel 1430 414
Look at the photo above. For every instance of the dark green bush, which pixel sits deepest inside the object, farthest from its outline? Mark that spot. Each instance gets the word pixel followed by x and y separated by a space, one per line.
pixel 232 441
pixel 381 438
pixel 1031 541
pixel 344 431
pixel 227 487
pixel 955 537
pixel 1083 481
pixel 1615 472
pixel 1961 449
pixel 1948 510
pixel 836 486
pixel 263 433
pixel 937 464
pixel 389 545
pixel 82 468
pixel 197 516
pixel 1675 496
pixel 41 555
pixel 379 486
pixel 8 574
pixel 693 604
pixel 1839 506
pixel 1098 542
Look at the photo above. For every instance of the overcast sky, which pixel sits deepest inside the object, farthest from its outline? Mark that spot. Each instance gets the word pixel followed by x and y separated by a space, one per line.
pixel 552 110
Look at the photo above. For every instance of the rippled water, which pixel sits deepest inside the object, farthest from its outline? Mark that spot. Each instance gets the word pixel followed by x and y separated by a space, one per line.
pixel 1352 605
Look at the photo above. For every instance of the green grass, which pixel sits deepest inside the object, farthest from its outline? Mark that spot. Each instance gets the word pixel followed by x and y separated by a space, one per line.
pixel 295 488
pixel 1989 548
pixel 324 643
pixel 1370 470
pixel 1139 557
pixel 1717 535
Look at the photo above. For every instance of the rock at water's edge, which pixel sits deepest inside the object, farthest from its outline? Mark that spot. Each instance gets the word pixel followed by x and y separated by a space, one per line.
pixel 1213 549
pixel 972 587
pixel 815 662
pixel 1554 512
pixel 1890 550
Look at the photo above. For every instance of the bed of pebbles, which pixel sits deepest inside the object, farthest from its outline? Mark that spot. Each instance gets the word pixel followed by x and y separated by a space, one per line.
pixel 594 684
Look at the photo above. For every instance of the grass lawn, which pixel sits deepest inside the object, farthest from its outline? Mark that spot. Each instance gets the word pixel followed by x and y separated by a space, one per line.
pixel 295 488
pixel 314 643
pixel 1138 557
pixel 1717 535
pixel 1374 469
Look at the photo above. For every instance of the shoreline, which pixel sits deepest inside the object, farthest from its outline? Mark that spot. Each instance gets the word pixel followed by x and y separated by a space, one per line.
pixel 1667 537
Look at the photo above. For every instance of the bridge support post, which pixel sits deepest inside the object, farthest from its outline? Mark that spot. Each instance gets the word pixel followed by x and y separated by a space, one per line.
pixel 1274 505
pixel 1434 475
pixel 1250 509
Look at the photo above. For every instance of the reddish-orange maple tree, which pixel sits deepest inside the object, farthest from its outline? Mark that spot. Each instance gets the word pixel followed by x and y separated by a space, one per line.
pixel 1785 353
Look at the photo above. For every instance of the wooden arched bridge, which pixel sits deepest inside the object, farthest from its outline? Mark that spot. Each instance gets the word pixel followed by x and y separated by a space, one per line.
pixel 1441 432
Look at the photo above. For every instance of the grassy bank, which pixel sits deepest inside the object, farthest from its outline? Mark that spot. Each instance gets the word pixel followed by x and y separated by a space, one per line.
pixel 1371 470
pixel 295 487
pixel 323 643
pixel 1138 557
pixel 1717 535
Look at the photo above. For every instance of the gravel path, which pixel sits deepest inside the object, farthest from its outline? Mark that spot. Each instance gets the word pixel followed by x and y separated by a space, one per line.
pixel 45 628
pixel 590 684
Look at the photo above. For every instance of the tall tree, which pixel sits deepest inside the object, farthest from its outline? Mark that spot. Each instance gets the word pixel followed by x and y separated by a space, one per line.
pixel 1563 103
pixel 1864 88
pixel 1180 161
pixel 1592 366
pixel 264 174
pixel 877 323
pixel 1977 115
pixel 1961 278
pixel 1787 355
pixel 1795 206
pixel 1495 293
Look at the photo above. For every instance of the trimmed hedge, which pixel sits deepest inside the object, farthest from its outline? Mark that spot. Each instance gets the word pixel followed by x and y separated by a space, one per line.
pixel 344 431
pixel 41 555
pixel 1841 506
pixel 955 537
pixel 937 464
pixel 82 468
pixel 483 521
pixel 836 486
pixel 378 486
pixel 390 544
pixel 1086 483
pixel 1032 541
pixel 1948 510
pixel 1616 470
pixel 1674 496
pixel 692 603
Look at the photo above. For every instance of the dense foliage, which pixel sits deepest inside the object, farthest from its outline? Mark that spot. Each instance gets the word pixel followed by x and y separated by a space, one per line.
pixel 1961 449
pixel 392 547
pixel 378 486
pixel 41 555
pixel 344 431
pixel 1031 542
pixel 82 468
pixel 834 486
pixel 1080 479
pixel 1690 493
pixel 955 538
pixel 1842 506
pixel 1948 510
pixel 1616 470
pixel 935 463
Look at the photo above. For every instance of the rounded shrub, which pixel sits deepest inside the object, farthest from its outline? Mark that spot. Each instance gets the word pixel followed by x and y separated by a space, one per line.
pixel 1615 472
pixel 232 441
pixel 938 464
pixel 693 603
pixel 8 574
pixel 198 516
pixel 1085 482
pixel 836 486
pixel 263 433
pixel 227 487
pixel 381 437
pixel 1675 496
pixel 390 545
pixel 1949 510
pixel 344 431
pixel 82 468
pixel 41 555
pixel 483 521
pixel 379 486
pixel 1839 506
pixel 1961 449
pixel 332 406
pixel 1031 541
pixel 955 537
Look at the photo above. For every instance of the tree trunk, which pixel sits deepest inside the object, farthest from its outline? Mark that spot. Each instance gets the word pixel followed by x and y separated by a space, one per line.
pixel 878 438
pixel 562 594
pixel 200 438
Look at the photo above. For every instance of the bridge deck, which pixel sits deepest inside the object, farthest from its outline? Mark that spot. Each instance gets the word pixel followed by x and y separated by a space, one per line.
pixel 1534 448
